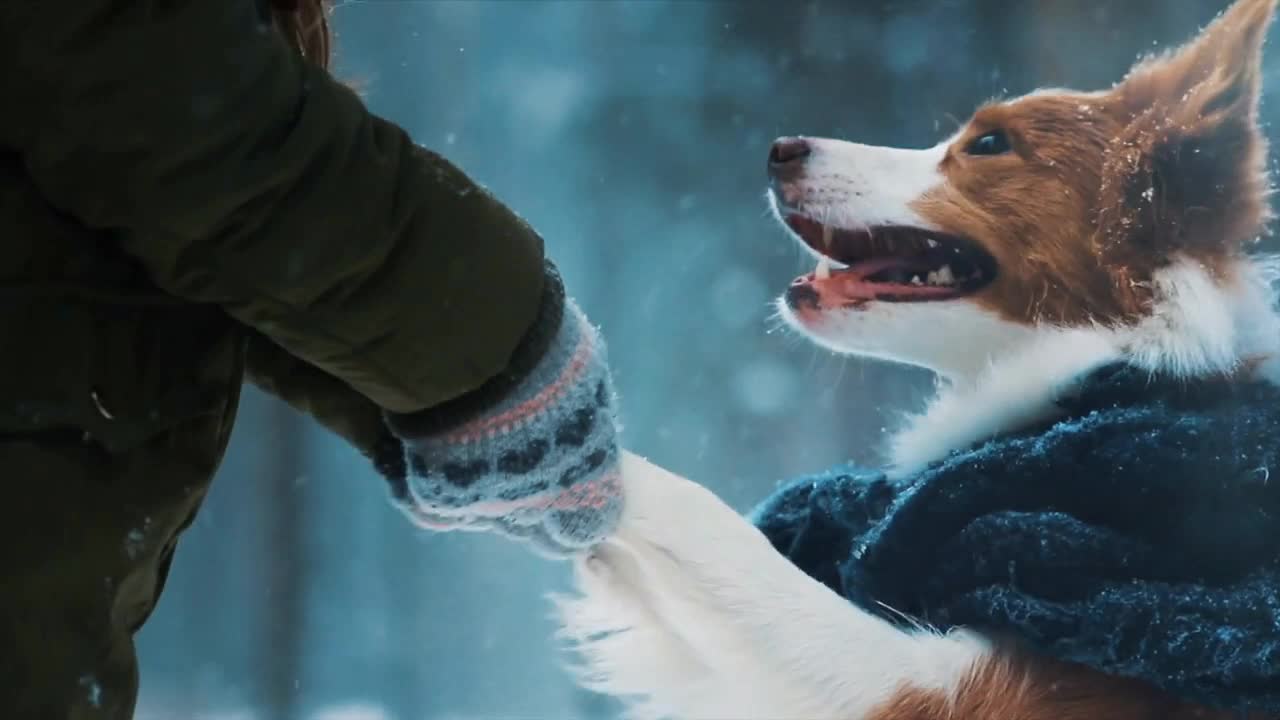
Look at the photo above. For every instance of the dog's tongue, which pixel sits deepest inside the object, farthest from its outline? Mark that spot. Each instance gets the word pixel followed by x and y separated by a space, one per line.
pixel 838 286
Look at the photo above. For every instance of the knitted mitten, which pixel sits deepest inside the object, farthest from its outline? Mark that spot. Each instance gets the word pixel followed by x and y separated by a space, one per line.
pixel 533 453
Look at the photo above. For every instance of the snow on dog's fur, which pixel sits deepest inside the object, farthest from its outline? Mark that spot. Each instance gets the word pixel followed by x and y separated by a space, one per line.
pixel 1052 234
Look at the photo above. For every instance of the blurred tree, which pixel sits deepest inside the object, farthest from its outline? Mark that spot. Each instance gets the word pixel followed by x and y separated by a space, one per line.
pixel 283 565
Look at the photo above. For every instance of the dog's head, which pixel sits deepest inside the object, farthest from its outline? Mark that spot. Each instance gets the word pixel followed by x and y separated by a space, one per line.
pixel 1054 209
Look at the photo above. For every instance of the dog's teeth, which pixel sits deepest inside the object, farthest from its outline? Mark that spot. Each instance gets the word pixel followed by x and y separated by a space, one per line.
pixel 826 237
pixel 915 280
pixel 824 269
pixel 932 278
pixel 945 276
pixel 931 243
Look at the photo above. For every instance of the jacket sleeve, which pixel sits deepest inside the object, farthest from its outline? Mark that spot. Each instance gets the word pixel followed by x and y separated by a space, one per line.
pixel 331 402
pixel 241 175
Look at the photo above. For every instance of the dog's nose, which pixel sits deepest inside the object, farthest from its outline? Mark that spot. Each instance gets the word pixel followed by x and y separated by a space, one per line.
pixel 801 295
pixel 788 153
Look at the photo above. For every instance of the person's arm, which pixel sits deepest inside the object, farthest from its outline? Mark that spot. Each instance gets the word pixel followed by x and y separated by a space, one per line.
pixel 241 175
pixel 329 401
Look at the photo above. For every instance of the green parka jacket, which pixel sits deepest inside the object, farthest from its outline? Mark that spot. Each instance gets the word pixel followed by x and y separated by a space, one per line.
pixel 183 197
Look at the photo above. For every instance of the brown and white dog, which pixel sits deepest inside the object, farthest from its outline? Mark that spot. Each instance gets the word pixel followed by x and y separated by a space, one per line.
pixel 1053 234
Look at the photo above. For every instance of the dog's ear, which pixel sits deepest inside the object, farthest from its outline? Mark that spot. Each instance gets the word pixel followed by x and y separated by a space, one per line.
pixel 1215 75
pixel 1188 170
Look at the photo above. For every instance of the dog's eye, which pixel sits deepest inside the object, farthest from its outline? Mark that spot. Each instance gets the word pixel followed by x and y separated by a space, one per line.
pixel 995 142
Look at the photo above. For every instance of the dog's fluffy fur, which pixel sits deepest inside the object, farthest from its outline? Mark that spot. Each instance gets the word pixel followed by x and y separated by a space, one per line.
pixel 1113 225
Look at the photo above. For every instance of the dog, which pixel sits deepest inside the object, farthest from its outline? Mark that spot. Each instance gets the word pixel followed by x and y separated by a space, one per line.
pixel 1051 235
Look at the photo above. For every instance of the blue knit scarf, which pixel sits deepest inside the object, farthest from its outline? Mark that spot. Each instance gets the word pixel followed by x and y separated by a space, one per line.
pixel 1139 535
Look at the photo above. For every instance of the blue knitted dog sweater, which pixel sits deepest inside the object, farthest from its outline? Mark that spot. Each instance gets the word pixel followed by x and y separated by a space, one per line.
pixel 1139 535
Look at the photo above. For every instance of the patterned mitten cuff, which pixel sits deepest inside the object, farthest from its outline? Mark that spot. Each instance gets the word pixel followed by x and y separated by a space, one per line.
pixel 533 453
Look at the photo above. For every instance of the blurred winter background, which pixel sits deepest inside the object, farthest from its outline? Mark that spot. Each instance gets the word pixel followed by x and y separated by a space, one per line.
pixel 634 136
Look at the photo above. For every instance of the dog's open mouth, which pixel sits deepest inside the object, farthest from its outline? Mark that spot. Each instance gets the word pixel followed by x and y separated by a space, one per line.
pixel 890 264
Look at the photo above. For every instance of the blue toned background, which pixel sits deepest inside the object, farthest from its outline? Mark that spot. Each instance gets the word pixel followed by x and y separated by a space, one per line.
pixel 633 135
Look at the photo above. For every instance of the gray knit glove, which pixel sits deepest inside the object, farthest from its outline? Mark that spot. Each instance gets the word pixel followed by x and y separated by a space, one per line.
pixel 532 454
